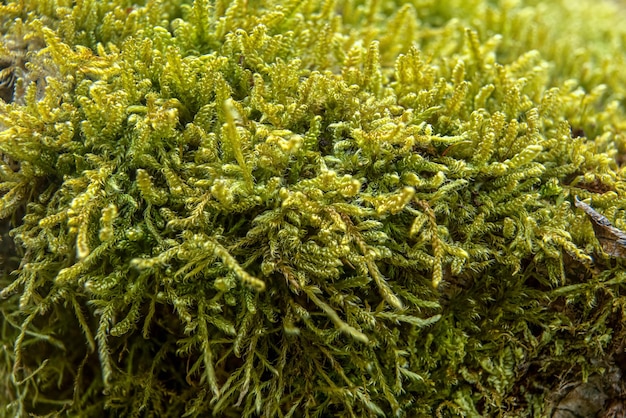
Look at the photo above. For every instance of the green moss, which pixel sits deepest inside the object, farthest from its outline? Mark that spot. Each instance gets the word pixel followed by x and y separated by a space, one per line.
pixel 304 208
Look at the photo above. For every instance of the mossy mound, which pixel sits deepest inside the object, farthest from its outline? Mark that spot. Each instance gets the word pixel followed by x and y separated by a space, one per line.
pixel 307 208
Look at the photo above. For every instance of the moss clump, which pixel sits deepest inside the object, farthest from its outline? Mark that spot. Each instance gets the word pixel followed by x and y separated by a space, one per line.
pixel 307 208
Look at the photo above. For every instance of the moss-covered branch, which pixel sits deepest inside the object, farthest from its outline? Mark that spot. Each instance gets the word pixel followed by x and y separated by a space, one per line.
pixel 307 208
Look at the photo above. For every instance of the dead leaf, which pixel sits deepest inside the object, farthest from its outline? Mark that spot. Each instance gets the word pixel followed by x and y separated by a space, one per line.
pixel 612 240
